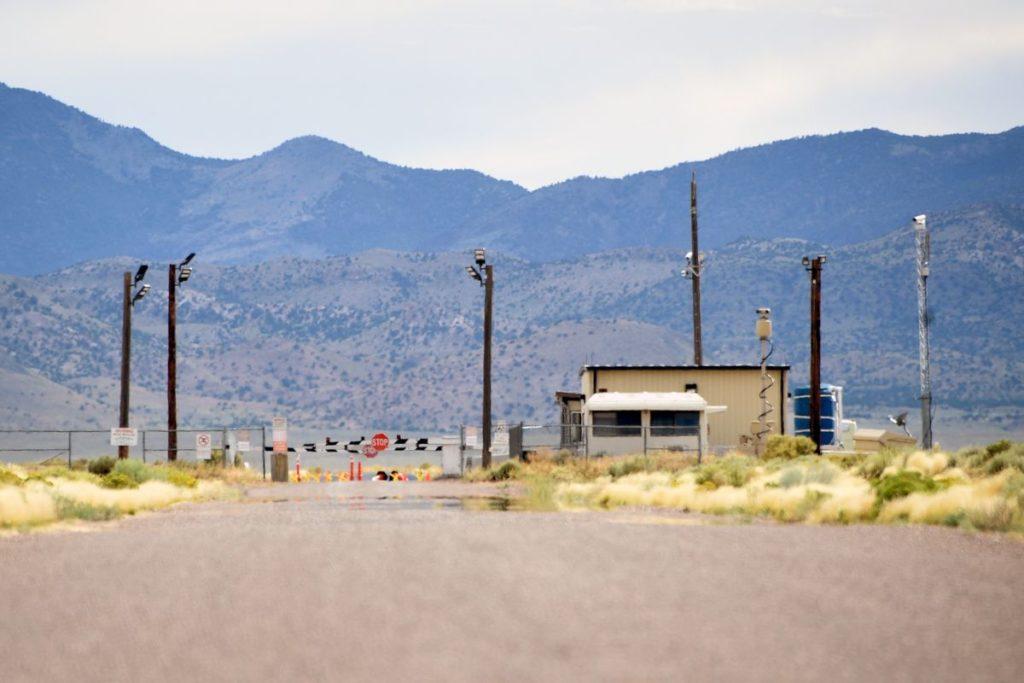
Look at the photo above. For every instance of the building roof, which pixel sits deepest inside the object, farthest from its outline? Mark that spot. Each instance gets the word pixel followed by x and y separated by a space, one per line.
pixel 646 400
pixel 680 367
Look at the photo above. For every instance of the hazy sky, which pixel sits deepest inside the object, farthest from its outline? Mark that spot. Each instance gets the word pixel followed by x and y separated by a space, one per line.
pixel 535 92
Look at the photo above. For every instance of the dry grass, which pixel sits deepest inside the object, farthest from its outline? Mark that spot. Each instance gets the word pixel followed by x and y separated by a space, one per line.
pixel 35 496
pixel 891 487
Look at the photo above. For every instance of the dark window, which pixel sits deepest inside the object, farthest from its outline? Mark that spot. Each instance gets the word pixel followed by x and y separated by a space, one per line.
pixel 691 387
pixel 675 422
pixel 617 423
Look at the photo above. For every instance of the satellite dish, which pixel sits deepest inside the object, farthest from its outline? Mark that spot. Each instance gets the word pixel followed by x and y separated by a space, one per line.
pixel 900 421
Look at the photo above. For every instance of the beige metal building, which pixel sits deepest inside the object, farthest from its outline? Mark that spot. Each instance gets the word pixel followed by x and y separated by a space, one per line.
pixel 734 387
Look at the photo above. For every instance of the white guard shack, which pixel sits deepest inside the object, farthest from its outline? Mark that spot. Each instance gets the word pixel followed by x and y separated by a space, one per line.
pixel 620 422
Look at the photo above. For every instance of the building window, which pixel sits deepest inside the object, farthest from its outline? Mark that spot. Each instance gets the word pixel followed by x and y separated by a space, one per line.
pixel 691 387
pixel 616 423
pixel 675 422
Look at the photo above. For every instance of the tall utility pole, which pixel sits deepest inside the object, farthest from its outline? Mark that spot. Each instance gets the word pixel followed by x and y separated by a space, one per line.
pixel 484 274
pixel 488 331
pixel 126 356
pixel 923 244
pixel 175 276
pixel 813 266
pixel 129 298
pixel 695 268
pixel 172 363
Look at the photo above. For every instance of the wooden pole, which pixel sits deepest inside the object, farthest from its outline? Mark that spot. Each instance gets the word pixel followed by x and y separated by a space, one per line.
pixel 695 265
pixel 488 330
pixel 126 354
pixel 815 390
pixel 172 363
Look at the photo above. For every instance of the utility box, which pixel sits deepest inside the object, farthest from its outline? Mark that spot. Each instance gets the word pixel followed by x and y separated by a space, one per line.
pixel 451 456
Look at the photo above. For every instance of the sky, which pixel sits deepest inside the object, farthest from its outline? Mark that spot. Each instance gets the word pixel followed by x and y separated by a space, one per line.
pixel 534 92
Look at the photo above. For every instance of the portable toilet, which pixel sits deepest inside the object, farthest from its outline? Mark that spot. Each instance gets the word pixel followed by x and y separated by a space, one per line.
pixel 831 401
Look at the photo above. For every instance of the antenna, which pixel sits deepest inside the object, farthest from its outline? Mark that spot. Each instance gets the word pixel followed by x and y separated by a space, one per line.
pixel 763 329
pixel 923 244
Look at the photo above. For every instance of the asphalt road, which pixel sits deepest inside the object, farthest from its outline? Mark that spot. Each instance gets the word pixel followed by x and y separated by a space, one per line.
pixel 328 581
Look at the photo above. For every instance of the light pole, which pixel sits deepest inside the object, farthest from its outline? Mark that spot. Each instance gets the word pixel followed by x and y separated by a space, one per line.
pixel 694 264
pixel 813 266
pixel 484 274
pixel 131 295
pixel 176 276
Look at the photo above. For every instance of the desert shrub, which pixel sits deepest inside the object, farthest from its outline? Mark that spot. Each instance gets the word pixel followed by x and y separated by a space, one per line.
pixel 790 477
pixel 1005 459
pixel 80 465
pixel 136 470
pixel 509 469
pixel 874 464
pixel 902 484
pixel 734 470
pixel 622 468
pixel 118 480
pixel 102 466
pixel 787 447
pixel 9 478
pixel 68 508
pixel 180 478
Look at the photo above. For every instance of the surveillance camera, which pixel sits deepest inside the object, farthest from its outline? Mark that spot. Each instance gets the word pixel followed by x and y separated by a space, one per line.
pixel 689 257
pixel 764 312
pixel 920 219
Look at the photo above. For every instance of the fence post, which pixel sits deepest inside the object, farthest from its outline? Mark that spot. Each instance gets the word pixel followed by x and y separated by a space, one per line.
pixel 643 430
pixel 69 449
pixel 263 449
pixel 143 445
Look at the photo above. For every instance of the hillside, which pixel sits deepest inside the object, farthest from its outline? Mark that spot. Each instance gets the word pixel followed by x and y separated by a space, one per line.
pixel 74 188
pixel 389 339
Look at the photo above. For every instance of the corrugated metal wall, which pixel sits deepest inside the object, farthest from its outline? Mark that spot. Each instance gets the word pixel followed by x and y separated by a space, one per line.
pixel 736 388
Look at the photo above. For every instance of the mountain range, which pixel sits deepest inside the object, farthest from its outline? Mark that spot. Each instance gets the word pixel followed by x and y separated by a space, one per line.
pixel 74 188
pixel 330 286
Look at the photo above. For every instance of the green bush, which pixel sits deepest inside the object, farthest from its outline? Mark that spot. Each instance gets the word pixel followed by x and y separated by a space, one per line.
pixel 136 470
pixel 730 471
pixel 903 484
pixel 506 470
pixel 9 478
pixel 787 447
pixel 875 464
pixel 102 466
pixel 118 480
pixel 991 459
pixel 180 478
pixel 627 466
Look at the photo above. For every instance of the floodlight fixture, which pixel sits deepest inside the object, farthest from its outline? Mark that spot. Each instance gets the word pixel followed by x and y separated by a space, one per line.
pixel 139 295
pixel 184 273
pixel 188 259
pixel 806 260
pixel 141 273
pixel 480 254
pixel 474 273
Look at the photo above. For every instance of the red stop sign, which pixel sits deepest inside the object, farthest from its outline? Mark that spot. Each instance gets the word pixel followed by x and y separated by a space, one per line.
pixel 380 441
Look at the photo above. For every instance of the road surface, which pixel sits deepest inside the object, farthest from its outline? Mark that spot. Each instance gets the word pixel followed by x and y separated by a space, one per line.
pixel 329 581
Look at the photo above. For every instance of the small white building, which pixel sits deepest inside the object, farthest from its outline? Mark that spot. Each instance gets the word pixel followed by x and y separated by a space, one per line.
pixel 616 423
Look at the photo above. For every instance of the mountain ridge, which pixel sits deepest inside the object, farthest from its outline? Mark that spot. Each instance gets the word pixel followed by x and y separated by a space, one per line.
pixel 73 187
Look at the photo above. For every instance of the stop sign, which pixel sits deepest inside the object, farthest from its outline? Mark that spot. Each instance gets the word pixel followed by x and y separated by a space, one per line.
pixel 380 441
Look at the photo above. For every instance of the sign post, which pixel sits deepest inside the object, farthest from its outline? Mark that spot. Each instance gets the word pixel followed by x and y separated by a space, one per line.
pixel 279 459
pixel 204 446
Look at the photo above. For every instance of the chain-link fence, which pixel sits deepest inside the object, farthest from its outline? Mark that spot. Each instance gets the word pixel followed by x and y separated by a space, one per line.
pixel 588 440
pixel 238 446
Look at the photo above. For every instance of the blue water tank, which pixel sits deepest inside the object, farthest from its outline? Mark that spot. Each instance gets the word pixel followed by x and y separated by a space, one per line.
pixel 830 411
